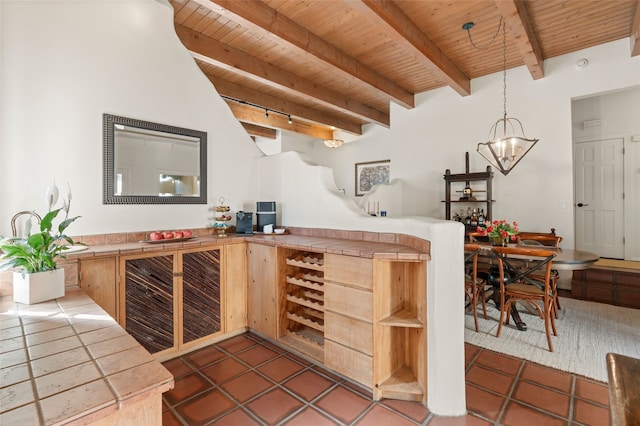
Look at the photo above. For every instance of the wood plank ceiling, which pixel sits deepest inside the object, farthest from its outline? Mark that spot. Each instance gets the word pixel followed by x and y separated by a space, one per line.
pixel 319 65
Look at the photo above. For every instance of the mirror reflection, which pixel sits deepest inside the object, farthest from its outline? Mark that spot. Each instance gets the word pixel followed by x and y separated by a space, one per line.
pixel 152 163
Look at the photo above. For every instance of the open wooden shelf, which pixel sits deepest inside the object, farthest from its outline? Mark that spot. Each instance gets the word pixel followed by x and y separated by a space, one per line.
pixel 402 318
pixel 308 283
pixel 402 384
pixel 307 262
pixel 305 321
pixel 305 302
pixel 307 342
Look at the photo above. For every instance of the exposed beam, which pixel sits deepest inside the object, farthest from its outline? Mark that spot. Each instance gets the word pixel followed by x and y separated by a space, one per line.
pixel 225 87
pixel 264 20
pixel 635 31
pixel 520 25
pixel 255 130
pixel 248 114
pixel 407 34
pixel 229 58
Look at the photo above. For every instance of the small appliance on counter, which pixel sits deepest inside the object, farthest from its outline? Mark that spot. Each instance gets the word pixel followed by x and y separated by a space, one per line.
pixel 244 223
pixel 265 214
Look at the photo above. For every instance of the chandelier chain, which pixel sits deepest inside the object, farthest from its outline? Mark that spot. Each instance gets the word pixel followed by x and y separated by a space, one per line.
pixel 493 39
pixel 504 67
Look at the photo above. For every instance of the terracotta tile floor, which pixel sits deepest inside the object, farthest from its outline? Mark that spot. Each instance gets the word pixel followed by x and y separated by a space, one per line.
pixel 247 380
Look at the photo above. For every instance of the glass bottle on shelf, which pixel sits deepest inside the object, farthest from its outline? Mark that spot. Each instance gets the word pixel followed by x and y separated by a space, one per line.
pixel 474 218
pixel 467 218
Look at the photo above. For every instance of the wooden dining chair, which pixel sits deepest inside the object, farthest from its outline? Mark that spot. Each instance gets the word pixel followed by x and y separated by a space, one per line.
pixel 539 239
pixel 473 285
pixel 528 279
pixel 548 240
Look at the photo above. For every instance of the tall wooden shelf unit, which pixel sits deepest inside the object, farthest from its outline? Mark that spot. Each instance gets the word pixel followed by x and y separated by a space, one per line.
pixel 452 185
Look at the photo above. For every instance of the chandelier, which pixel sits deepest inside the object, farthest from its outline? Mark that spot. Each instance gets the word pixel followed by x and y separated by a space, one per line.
pixel 507 143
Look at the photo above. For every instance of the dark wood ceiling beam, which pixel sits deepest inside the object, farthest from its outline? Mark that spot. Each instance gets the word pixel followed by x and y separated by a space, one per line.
pixel 267 21
pixel 635 31
pixel 263 132
pixel 249 114
pixel 517 20
pixel 231 59
pixel 407 34
pixel 236 91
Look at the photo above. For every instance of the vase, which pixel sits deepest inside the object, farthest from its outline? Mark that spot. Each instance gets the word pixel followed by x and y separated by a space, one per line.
pixel 499 242
pixel 38 286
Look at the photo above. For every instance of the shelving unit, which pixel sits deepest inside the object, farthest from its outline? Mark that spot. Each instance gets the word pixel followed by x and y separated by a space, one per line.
pixel 400 331
pixel 483 183
pixel 302 322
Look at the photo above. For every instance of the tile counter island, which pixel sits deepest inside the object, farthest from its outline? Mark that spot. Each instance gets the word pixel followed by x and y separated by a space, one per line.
pixel 67 362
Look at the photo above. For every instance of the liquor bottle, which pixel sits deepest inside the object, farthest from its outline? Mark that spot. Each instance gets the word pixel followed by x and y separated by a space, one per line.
pixel 467 219
pixel 474 218
pixel 481 218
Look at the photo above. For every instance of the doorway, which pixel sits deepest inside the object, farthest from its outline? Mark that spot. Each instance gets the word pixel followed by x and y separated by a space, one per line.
pixel 599 197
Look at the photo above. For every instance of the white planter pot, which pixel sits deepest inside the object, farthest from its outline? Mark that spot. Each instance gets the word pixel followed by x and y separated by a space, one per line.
pixel 38 287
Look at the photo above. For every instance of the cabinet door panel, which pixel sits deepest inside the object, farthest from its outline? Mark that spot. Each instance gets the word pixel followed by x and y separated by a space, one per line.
pixel 200 294
pixel 352 364
pixel 350 332
pixel 98 280
pixel 149 301
pixel 355 271
pixel 349 301
pixel 262 307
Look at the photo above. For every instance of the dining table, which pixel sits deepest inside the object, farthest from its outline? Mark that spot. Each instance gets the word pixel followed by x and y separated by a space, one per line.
pixel 565 260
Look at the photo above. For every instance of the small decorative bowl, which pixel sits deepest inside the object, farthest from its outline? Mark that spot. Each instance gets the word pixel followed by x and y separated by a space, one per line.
pixel 279 230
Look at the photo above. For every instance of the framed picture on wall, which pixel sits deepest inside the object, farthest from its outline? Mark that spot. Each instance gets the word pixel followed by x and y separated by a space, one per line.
pixel 370 174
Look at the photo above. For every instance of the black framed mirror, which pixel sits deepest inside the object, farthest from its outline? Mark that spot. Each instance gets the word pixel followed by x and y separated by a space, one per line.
pixel 152 163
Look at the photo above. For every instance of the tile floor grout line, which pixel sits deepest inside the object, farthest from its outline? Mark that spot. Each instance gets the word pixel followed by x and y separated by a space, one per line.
pixel 335 381
pixel 508 397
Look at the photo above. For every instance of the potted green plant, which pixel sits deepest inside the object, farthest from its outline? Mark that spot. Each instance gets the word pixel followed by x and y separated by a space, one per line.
pixel 34 255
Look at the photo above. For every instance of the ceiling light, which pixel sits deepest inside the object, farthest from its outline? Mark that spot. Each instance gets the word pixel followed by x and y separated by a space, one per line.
pixel 507 143
pixel 333 143
pixel 290 120
pixel 266 113
pixel 582 63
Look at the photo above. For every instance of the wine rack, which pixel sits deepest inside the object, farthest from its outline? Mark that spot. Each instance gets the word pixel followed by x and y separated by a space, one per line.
pixel 302 323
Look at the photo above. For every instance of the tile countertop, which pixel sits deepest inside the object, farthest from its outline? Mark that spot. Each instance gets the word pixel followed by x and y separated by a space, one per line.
pixel 68 361
pixel 350 247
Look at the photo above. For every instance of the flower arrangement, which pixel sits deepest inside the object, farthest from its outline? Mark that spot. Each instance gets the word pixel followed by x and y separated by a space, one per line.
pixel 500 231
pixel 37 252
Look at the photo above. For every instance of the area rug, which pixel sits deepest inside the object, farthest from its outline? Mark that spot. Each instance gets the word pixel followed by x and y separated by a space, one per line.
pixel 587 331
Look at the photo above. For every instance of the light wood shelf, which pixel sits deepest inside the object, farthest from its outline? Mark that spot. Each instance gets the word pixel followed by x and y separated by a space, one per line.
pixel 305 283
pixel 402 384
pixel 305 321
pixel 402 318
pixel 305 302
pixel 307 342
pixel 307 262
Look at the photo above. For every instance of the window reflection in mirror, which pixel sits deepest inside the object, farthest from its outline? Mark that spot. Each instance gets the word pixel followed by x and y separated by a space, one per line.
pixel 152 163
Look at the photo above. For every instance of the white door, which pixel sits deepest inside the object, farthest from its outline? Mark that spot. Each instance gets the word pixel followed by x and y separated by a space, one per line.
pixel 599 197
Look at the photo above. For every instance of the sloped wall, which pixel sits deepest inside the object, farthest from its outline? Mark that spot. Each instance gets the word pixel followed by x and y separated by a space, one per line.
pixel 63 65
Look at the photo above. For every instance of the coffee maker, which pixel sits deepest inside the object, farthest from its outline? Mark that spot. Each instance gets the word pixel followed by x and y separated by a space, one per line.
pixel 244 223
pixel 265 214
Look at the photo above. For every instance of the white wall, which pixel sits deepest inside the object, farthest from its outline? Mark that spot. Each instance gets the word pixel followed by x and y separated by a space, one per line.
pixel 434 136
pixel 63 65
pixel 620 112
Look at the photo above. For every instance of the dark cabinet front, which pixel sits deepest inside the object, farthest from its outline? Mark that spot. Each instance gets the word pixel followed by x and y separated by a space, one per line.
pixel 200 294
pixel 172 298
pixel 149 300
